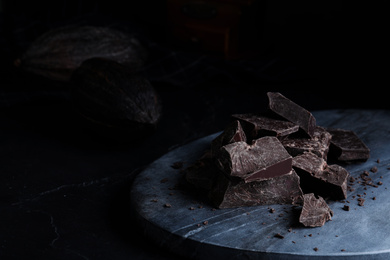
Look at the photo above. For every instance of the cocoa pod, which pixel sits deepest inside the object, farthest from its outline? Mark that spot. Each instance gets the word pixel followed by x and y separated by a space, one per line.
pixel 115 99
pixel 57 53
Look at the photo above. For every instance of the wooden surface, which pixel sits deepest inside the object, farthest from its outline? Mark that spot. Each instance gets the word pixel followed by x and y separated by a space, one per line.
pixel 184 223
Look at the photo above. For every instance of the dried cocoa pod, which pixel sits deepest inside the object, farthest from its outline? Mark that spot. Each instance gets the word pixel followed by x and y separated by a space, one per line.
pixel 57 53
pixel 115 99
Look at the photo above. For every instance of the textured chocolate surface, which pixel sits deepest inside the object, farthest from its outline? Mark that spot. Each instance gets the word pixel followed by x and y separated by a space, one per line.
pixel 315 211
pixel 279 190
pixel 347 146
pixel 328 181
pixel 258 125
pixel 265 158
pixel 292 112
pixel 318 145
pixel 232 133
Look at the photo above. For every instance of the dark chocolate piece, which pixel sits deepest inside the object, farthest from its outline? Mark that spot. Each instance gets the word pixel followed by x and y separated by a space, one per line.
pixel 257 126
pixel 202 174
pixel 346 145
pixel 318 145
pixel 315 212
pixel 265 158
pixel 320 178
pixel 231 193
pixel 232 133
pixel 292 112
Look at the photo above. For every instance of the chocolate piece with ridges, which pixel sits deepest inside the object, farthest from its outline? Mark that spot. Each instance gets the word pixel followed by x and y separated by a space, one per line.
pixel 232 133
pixel 347 146
pixel 292 112
pixel 259 125
pixel 320 178
pixel 265 158
pixel 318 145
pixel 315 212
pixel 231 193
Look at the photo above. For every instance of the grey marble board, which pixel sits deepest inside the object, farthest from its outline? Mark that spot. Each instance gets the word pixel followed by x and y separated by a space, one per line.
pixel 189 226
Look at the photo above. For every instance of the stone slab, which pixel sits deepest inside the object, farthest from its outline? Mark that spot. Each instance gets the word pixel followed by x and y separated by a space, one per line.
pixel 191 227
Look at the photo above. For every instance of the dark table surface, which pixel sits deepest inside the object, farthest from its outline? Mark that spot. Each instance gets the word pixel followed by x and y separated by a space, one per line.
pixel 64 192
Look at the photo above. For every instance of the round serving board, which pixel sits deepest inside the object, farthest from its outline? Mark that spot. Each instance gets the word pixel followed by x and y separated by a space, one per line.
pixel 183 222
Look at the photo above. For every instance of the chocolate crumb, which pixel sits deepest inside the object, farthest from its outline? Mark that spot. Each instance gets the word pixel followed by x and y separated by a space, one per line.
pixel 278 235
pixel 315 249
pixel 177 165
pixel 374 198
pixel 167 205
pixel 310 235
pixel 374 169
pixel 342 250
pixel 205 222
pixel 289 230
pixel 272 210
pixel 346 208
pixel 378 160
pixel 361 201
pixel 154 200
pixel 191 208
pixel 164 180
pixel 380 183
pixel 293 242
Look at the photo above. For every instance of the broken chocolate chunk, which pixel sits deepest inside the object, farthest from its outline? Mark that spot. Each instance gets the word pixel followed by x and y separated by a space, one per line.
pixel 318 145
pixel 315 212
pixel 320 178
pixel 232 193
pixel 232 133
pixel 347 146
pixel 292 112
pixel 265 158
pixel 257 126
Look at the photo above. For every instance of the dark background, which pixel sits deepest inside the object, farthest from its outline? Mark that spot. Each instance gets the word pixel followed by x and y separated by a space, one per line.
pixel 64 191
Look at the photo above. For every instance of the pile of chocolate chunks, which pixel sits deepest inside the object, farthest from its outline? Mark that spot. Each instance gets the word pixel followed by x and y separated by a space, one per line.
pixel 278 157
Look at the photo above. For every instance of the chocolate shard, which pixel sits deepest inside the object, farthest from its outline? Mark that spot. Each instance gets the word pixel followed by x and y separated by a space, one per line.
pixel 265 158
pixel 315 212
pixel 232 193
pixel 292 112
pixel 257 126
pixel 347 146
pixel 202 174
pixel 232 133
pixel 318 145
pixel 328 181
